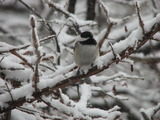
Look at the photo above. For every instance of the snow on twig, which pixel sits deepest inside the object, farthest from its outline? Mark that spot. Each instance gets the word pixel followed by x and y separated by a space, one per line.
pixel 81 24
pixel 5 48
pixel 40 113
pixel 134 41
pixel 47 25
pixel 22 58
pixel 75 21
pixel 105 10
pixel 12 69
pixel 140 19
pixel 67 110
pixel 149 113
pixel 116 78
pixel 82 106
pixel 37 52
pixel 85 96
pixel 62 80
pixel 66 13
pixel 129 2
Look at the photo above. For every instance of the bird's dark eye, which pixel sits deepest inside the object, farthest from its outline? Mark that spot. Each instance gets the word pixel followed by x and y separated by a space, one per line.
pixel 86 34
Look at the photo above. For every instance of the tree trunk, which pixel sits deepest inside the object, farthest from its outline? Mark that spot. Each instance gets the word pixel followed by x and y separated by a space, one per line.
pixel 91 9
pixel 71 9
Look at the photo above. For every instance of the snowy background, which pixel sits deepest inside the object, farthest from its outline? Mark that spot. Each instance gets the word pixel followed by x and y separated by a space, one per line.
pixel 38 78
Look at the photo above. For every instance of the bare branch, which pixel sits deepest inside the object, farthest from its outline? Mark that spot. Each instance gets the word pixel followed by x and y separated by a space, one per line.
pixel 46 24
pixel 22 58
pixel 74 79
pixel 35 38
pixel 88 23
pixel 105 35
pixel 49 104
pixel 146 59
pixel 59 8
pixel 148 114
pixel 42 114
pixel 9 92
pixel 37 51
pixel 66 13
pixel 24 46
pixel 105 10
pixel 116 56
pixel 140 19
pixel 47 67
pixel 156 39
pixel 12 69
pixel 154 4
pixel 47 38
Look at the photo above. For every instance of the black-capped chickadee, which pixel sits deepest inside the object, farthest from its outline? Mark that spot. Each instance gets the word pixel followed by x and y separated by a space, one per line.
pixel 86 50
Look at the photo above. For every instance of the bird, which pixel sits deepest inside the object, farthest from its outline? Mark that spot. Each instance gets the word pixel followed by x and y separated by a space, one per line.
pixel 86 50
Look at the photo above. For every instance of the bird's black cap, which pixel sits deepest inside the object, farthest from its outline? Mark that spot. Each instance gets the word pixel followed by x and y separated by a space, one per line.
pixel 89 38
pixel 86 34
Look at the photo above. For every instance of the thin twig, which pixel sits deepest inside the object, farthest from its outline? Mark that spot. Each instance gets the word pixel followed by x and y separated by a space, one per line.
pixel 49 104
pixel 47 38
pixel 62 28
pixel 11 69
pixel 140 19
pixel 14 35
pixel 154 4
pixel 116 56
pixel 105 10
pixel 105 35
pixel 66 13
pixel 35 78
pixel 1 59
pixel 152 110
pixel 28 7
pixel 47 67
pixel 46 24
pixel 58 8
pixel 146 59
pixel 92 23
pixel 36 46
pixel 22 58
pixel 74 79
pixel 26 46
pixel 47 58
pixel 42 114
pixel 156 39
pixel 75 25
pixel 35 38
pixel 9 92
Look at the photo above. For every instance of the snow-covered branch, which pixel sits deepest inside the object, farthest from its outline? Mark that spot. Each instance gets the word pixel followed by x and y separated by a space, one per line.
pixel 150 112
pixel 64 80
pixel 75 21
pixel 38 78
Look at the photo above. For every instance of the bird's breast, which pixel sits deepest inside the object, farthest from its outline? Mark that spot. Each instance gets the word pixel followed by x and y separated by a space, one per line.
pixel 85 54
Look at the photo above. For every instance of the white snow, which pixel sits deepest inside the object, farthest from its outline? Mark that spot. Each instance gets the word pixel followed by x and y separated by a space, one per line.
pixel 18 115
pixel 85 96
pixel 116 77
pixel 130 41
pixel 65 104
pixel 150 111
